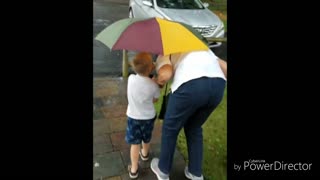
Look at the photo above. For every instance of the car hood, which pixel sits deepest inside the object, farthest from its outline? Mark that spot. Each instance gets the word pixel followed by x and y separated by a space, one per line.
pixel 201 17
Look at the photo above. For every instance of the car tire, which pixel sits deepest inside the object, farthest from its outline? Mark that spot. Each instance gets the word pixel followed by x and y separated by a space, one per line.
pixel 131 14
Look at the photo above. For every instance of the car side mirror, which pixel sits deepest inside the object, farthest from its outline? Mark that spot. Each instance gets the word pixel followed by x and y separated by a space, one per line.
pixel 147 3
pixel 206 5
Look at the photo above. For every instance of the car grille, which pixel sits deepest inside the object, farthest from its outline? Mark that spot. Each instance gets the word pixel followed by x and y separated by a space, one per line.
pixel 206 30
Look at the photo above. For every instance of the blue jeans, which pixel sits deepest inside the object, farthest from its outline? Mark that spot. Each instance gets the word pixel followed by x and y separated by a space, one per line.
pixel 189 107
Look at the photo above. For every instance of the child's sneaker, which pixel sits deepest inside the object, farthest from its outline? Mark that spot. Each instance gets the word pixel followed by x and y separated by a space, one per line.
pixel 191 176
pixel 133 175
pixel 144 158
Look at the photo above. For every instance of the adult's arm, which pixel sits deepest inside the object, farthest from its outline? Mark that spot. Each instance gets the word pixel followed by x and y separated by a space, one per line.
pixel 165 73
pixel 223 66
pixel 164 70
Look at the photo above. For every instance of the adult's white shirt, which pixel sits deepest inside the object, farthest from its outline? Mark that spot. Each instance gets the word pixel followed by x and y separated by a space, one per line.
pixel 191 65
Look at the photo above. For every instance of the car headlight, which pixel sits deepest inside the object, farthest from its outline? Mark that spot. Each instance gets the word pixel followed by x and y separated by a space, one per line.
pixel 221 27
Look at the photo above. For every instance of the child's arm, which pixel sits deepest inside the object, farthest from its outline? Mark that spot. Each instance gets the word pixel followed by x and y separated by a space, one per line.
pixel 156 93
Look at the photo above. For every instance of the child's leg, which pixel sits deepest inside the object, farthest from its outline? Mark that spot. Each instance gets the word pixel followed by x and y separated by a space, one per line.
pixel 145 148
pixel 147 135
pixel 134 155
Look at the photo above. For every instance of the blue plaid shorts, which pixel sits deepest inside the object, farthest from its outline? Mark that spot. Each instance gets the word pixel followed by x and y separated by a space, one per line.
pixel 139 130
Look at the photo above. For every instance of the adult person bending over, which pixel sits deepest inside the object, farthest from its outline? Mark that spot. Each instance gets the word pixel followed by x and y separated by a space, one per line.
pixel 197 89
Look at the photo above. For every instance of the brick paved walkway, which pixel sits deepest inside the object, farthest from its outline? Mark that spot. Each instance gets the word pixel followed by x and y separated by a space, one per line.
pixel 110 150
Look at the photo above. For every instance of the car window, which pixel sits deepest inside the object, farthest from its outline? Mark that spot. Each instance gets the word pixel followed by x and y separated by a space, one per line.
pixel 150 1
pixel 179 4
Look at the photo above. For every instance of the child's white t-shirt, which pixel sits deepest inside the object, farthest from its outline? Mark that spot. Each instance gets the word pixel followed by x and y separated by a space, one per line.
pixel 141 91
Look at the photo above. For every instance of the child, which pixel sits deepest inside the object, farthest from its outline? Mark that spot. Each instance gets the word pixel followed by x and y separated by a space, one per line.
pixel 142 92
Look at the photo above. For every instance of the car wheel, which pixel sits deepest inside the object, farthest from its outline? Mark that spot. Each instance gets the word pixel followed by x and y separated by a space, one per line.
pixel 130 14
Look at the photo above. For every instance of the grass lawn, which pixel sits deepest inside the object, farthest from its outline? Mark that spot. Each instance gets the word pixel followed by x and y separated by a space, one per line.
pixel 214 141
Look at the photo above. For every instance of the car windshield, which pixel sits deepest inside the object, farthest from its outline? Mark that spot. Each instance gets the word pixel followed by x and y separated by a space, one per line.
pixel 180 4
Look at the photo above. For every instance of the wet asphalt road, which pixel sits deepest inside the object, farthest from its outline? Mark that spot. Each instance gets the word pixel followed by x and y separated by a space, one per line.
pixel 105 12
pixel 109 63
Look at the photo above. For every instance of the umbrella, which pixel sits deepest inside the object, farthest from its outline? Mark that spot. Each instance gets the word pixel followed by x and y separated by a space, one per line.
pixel 153 35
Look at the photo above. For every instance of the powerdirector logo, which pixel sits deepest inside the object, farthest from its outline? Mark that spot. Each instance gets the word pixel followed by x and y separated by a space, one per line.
pixel 262 165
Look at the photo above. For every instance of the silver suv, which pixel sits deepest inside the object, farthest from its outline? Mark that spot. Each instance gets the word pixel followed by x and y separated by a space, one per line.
pixel 192 12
